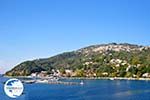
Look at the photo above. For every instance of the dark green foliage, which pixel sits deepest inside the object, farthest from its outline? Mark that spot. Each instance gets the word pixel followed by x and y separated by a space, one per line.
pixel 133 70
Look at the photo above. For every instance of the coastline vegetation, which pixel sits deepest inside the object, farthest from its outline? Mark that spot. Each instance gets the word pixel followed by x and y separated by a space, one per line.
pixel 125 61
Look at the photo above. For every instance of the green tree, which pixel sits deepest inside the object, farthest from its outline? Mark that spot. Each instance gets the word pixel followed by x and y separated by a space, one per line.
pixel 80 73
pixel 62 70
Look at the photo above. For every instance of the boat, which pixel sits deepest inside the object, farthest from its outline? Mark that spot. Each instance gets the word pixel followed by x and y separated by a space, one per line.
pixel 81 83
pixel 53 79
pixel 42 81
pixel 112 79
pixel 28 81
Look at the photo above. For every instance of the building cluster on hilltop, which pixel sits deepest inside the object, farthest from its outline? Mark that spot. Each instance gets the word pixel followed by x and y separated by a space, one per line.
pixel 113 47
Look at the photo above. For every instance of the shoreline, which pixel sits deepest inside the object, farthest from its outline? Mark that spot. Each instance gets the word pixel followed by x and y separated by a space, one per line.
pixel 87 78
pixel 106 78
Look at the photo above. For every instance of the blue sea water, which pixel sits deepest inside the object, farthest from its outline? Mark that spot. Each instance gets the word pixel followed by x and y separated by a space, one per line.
pixel 91 90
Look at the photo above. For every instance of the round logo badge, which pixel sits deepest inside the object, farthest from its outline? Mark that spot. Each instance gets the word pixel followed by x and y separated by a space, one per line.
pixel 13 88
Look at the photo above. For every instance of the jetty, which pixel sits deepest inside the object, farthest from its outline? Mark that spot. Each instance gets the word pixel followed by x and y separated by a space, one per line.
pixel 64 83
pixel 50 81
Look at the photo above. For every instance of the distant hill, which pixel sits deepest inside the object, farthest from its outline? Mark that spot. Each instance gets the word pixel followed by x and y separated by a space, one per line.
pixel 113 60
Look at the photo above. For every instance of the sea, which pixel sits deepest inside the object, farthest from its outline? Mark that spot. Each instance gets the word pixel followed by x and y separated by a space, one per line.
pixel 90 90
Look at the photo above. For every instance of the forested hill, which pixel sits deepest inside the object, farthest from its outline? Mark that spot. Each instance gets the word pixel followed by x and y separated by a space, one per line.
pixel 116 60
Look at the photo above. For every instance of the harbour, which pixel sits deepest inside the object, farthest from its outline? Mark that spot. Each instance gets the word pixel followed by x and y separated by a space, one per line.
pixel 92 89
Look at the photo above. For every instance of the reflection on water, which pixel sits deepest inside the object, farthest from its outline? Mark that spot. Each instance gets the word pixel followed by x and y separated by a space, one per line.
pixel 132 92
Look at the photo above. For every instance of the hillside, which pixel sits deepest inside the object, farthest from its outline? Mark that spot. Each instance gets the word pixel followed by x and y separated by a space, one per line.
pixel 113 60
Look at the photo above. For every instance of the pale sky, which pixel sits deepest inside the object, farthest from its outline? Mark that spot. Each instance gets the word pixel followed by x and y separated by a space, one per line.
pixel 32 29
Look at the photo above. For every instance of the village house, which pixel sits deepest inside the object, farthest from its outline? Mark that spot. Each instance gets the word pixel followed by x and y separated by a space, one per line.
pixel 146 75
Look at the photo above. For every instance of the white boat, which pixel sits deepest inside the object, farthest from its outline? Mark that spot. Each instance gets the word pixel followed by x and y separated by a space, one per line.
pixel 28 81
pixel 53 79
pixel 112 79
pixel 41 81
pixel 81 83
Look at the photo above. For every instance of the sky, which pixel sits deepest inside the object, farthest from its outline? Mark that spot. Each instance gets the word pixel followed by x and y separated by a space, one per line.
pixel 31 29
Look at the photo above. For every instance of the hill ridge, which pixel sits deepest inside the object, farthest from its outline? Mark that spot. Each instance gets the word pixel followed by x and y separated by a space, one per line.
pixel 114 59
